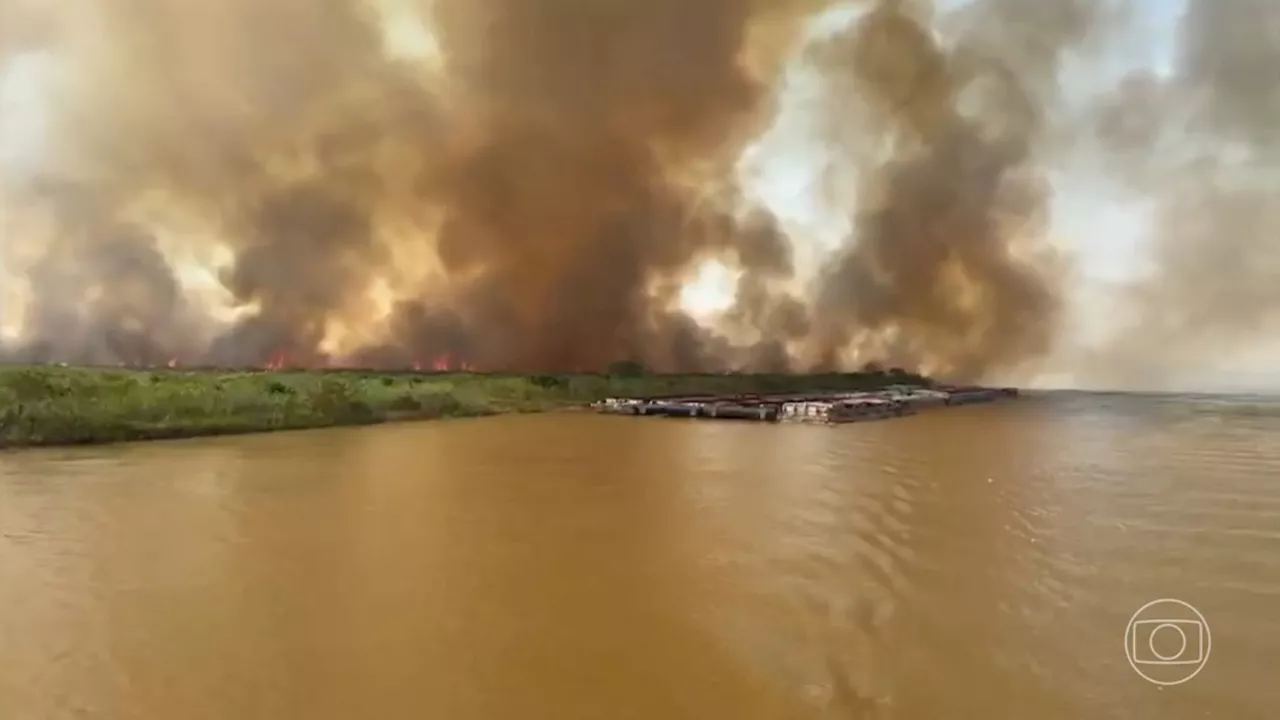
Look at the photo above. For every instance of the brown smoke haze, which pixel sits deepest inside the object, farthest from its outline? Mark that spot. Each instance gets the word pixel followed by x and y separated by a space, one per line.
pixel 530 184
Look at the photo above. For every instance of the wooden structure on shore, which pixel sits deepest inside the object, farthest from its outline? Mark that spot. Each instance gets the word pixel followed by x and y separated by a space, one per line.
pixel 819 407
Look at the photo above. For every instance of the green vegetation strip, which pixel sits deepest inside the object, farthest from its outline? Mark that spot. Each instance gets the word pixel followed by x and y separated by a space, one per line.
pixel 53 405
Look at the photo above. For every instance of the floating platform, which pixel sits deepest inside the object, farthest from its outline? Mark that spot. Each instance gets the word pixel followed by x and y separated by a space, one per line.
pixel 820 407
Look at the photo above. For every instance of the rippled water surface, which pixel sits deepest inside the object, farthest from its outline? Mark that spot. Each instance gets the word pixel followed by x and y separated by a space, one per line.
pixel 968 563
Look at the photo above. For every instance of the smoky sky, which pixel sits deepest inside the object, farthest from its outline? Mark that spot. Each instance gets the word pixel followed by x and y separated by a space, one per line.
pixel 531 191
pixel 1202 145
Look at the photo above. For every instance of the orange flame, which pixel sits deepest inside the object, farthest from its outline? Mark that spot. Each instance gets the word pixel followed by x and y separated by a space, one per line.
pixel 442 363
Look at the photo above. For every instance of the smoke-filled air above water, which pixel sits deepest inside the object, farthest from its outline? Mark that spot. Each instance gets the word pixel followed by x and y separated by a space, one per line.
pixel 543 185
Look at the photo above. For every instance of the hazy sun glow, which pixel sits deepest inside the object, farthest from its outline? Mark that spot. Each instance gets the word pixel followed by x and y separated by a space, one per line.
pixel 710 292
pixel 405 35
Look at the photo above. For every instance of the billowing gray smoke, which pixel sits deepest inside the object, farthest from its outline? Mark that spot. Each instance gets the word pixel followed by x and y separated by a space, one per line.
pixel 947 264
pixel 1203 145
pixel 529 188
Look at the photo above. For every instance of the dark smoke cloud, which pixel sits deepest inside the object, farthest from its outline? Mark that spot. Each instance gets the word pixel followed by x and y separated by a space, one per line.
pixel 535 196
pixel 551 177
pixel 585 116
pixel 111 292
pixel 946 267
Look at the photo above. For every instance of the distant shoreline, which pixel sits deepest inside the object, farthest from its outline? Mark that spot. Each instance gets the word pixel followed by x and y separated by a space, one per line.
pixel 51 405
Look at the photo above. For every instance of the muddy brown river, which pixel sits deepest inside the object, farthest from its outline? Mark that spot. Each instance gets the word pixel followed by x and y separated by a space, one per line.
pixel 979 562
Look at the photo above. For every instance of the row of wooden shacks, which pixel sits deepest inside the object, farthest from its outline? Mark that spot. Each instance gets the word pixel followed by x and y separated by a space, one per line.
pixel 815 407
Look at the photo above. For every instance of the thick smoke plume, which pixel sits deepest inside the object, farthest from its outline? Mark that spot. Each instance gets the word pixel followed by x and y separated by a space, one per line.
pixel 532 202
pixel 947 265
pixel 528 184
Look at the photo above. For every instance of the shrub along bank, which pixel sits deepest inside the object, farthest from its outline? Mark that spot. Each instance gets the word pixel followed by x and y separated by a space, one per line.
pixel 54 405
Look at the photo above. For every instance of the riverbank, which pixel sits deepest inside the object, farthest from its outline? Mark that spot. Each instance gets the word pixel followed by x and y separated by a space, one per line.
pixel 54 405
